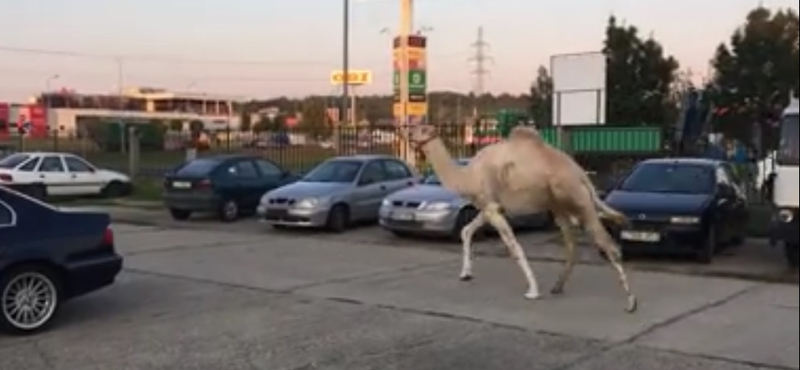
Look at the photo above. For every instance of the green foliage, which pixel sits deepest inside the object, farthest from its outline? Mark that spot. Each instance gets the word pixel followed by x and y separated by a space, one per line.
pixel 176 125
pixel 313 117
pixel 541 98
pixel 245 123
pixel 756 73
pixel 639 76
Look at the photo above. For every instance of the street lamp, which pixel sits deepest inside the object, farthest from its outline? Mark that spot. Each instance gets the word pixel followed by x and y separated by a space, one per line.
pixel 47 98
pixel 345 58
pixel 49 80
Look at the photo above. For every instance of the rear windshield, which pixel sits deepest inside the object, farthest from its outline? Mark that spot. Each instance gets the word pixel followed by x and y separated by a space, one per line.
pixel 197 167
pixel 13 160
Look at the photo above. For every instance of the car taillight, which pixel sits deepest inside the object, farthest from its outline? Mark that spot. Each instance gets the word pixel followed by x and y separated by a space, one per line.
pixel 204 184
pixel 108 237
pixel 4 177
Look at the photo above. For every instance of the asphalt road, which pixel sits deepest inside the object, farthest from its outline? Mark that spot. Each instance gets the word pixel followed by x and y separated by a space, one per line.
pixel 203 298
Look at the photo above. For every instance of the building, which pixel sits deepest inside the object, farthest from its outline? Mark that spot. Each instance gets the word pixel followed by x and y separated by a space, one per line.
pixel 64 110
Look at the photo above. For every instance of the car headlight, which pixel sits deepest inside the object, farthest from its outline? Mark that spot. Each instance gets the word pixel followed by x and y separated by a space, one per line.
pixel 437 206
pixel 386 203
pixel 685 220
pixel 308 203
pixel 786 216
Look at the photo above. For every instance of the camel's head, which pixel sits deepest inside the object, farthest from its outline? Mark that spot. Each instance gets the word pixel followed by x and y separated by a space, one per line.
pixel 419 135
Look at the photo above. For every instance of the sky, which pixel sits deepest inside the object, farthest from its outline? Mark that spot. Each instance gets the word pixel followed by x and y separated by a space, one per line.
pixel 267 48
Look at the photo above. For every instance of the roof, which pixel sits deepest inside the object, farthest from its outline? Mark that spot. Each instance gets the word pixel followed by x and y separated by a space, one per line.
pixel 684 160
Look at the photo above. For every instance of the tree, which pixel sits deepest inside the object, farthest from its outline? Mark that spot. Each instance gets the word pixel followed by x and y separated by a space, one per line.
pixel 245 122
pixel 313 119
pixel 541 98
pixel 755 75
pixel 639 78
pixel 176 125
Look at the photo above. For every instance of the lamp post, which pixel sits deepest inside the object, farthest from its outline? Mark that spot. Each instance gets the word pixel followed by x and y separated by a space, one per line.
pixel 345 58
pixel 47 90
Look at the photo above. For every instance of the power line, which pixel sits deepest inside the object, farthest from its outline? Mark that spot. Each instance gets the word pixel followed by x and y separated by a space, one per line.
pixel 480 58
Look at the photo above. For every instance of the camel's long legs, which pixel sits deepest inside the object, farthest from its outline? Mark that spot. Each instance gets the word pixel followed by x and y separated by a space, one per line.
pixel 466 240
pixel 498 221
pixel 567 233
pixel 604 241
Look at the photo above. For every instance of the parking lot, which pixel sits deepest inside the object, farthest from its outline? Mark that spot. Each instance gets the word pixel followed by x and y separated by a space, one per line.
pixel 203 295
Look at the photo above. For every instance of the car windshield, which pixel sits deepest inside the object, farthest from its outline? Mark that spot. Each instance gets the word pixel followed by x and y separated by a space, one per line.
pixel 432 179
pixel 13 160
pixel 790 140
pixel 334 171
pixel 670 178
pixel 197 167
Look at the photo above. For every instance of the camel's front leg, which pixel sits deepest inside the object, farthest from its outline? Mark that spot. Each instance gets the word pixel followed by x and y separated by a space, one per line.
pixel 499 222
pixel 466 240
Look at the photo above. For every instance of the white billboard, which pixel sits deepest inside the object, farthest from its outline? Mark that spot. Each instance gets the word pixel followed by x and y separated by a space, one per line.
pixel 579 88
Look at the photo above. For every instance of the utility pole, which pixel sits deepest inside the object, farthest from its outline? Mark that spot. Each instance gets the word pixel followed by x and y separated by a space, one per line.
pixel 480 58
pixel 345 60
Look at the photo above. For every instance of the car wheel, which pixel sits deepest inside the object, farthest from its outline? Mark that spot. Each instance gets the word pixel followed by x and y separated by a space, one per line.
pixel 29 299
pixel 114 189
pixel 706 253
pixel 792 251
pixel 465 216
pixel 180 214
pixel 401 234
pixel 338 219
pixel 229 211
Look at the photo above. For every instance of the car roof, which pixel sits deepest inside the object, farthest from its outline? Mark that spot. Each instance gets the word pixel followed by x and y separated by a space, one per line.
pixel 227 157
pixel 45 153
pixel 686 161
pixel 362 157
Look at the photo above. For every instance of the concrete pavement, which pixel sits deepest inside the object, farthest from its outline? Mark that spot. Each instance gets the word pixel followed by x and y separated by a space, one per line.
pixel 206 299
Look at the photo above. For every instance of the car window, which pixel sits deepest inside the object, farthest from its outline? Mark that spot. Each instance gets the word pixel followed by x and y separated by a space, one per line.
pixel 30 165
pixel 268 169
pixel 243 169
pixel 396 170
pixel 670 178
pixel 75 164
pixel 13 160
pixel 197 167
pixel 373 173
pixel 335 171
pixel 6 215
pixel 51 164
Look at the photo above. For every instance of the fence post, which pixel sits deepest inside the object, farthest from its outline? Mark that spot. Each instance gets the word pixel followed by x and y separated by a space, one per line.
pixel 133 152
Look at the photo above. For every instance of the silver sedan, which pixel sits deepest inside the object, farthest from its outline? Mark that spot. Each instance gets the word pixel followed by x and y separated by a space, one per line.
pixel 337 192
pixel 430 209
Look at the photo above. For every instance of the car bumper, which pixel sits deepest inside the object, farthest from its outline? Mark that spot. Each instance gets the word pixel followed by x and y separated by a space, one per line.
pixel 293 216
pixel 671 238
pixel 429 223
pixel 88 275
pixel 783 231
pixel 191 202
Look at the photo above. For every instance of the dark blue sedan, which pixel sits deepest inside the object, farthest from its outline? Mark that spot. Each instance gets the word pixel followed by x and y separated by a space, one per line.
pixel 679 205
pixel 48 257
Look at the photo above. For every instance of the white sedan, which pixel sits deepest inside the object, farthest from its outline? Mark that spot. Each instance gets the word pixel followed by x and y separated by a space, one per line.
pixel 60 174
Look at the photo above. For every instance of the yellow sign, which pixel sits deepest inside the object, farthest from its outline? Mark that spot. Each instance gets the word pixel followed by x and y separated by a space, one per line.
pixel 354 77
pixel 414 109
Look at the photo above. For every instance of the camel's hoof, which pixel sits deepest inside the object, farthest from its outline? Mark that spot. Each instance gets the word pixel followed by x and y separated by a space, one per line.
pixel 557 291
pixel 466 278
pixel 633 305
pixel 532 296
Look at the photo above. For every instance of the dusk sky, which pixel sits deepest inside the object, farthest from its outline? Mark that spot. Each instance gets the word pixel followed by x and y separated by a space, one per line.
pixel 264 48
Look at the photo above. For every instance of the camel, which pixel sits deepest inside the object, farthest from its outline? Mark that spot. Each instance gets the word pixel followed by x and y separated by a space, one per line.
pixel 524 174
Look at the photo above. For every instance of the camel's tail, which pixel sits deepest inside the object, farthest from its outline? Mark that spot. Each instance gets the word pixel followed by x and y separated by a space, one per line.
pixel 605 211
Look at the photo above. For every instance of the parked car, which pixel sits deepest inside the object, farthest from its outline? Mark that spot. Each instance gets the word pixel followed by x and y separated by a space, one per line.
pixel 680 205
pixel 226 185
pixel 48 257
pixel 41 175
pixel 337 192
pixel 430 209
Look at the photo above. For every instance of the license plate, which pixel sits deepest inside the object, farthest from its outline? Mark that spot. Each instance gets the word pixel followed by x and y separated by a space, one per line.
pixel 403 216
pixel 181 185
pixel 641 236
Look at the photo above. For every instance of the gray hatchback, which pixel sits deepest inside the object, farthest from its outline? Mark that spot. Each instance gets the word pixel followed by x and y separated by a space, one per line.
pixel 337 192
pixel 430 209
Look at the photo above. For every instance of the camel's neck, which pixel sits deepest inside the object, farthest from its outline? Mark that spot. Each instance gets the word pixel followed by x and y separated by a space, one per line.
pixel 448 172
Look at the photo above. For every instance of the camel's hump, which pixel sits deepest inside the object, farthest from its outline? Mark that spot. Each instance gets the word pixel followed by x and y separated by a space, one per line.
pixel 524 133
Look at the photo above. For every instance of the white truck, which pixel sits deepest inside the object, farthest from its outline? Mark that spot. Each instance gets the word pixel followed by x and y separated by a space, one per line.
pixel 785 181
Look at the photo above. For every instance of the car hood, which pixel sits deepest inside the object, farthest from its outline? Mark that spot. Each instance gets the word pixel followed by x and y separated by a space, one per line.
pixel 424 193
pixel 657 203
pixel 302 189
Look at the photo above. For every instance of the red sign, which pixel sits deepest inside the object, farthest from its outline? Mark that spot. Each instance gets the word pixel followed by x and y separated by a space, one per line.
pixel 38 120
pixel 5 113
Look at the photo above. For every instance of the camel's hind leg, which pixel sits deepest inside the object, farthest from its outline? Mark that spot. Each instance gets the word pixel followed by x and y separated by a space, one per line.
pixel 466 240
pixel 498 221
pixel 592 224
pixel 567 233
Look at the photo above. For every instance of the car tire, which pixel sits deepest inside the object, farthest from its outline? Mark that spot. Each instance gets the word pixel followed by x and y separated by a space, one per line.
pixel 464 217
pixel 792 252
pixel 114 189
pixel 705 254
pixel 338 219
pixel 17 279
pixel 229 211
pixel 401 234
pixel 180 214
